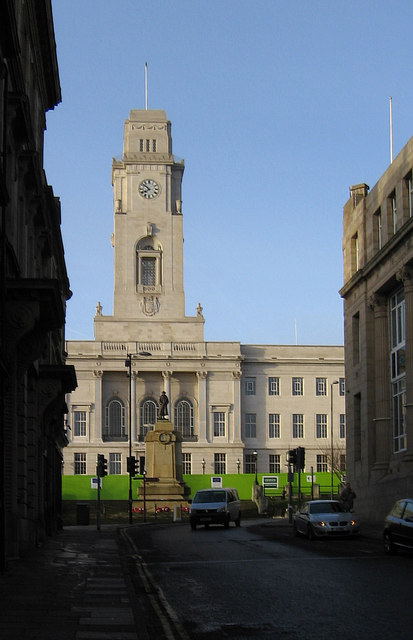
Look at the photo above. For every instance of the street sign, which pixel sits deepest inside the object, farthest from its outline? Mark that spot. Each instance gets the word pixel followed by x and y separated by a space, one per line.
pixel 94 483
pixel 216 482
pixel 270 482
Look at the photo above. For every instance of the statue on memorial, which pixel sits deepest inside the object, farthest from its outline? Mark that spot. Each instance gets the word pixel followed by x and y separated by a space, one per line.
pixel 163 406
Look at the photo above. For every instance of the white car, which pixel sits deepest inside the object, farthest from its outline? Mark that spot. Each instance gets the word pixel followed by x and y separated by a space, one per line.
pixel 215 506
pixel 322 518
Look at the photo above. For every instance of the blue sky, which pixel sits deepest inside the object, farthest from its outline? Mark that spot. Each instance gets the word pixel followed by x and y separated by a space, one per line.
pixel 276 107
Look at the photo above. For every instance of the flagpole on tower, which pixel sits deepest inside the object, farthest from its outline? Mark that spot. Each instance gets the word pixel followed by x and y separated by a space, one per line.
pixel 146 86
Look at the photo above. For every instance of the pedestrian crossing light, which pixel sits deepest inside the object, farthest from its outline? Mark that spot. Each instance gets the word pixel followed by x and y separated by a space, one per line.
pixel 102 466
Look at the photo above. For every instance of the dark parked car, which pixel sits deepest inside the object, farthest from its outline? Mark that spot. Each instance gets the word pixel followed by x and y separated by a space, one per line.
pixel 398 526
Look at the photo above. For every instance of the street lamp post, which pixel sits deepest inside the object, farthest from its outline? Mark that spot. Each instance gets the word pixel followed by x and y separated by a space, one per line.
pixel 255 454
pixel 238 464
pixel 332 441
pixel 203 466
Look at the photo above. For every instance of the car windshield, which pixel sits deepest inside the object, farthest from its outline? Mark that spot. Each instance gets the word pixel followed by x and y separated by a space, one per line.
pixel 210 496
pixel 326 507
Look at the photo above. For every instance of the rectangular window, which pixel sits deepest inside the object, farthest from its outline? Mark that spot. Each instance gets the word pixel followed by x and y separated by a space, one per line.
pixel 342 425
pixel 409 189
pixel 378 230
pixel 342 386
pixel 80 464
pixel 250 425
pixel 186 464
pixel 220 464
pixel 274 425
pixel 250 462
pixel 273 386
pixel 297 387
pixel 153 145
pixel 357 425
pixel 275 463
pixel 79 419
pixel 250 386
pixel 342 461
pixel 321 425
pixel 321 463
pixel 219 424
pixel 141 145
pixel 393 209
pixel 355 257
pixel 320 386
pixel 148 145
pixel 398 369
pixel 148 271
pixel 115 463
pixel 298 425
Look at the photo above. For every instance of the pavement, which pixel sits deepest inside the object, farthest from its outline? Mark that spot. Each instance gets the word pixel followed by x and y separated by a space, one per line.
pixel 78 586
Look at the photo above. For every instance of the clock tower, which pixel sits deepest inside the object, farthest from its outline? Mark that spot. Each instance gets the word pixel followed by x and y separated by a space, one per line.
pixel 149 298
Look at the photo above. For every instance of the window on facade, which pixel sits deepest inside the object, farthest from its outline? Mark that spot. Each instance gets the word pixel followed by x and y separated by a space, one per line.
pixel 274 425
pixel 321 462
pixel 250 463
pixel 153 145
pixel 184 418
pixel 141 147
pixel 408 183
pixel 355 328
pixel 79 426
pixel 186 463
pixel 80 464
pixel 220 463
pixel 149 415
pixel 250 386
pixel 297 387
pixel 219 423
pixel 378 230
pixel 355 256
pixel 320 386
pixel 250 425
pixel 342 425
pixel 275 463
pixel 148 143
pixel 342 462
pixel 342 386
pixel 393 210
pixel 398 369
pixel 321 425
pixel 298 425
pixel 273 386
pixel 148 264
pixel 115 463
pixel 148 275
pixel 115 427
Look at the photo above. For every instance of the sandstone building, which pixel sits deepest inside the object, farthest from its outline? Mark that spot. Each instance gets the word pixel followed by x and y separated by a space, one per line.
pixel 378 308
pixel 235 405
pixel 34 285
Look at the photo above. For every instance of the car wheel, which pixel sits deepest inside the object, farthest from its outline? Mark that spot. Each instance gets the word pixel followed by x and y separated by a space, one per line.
pixel 238 520
pixel 389 547
pixel 310 532
pixel 226 523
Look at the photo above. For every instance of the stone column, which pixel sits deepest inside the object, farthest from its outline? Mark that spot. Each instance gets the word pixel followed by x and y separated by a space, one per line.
pixel 98 405
pixel 237 405
pixel 133 407
pixel 406 276
pixel 382 421
pixel 202 404
pixel 167 388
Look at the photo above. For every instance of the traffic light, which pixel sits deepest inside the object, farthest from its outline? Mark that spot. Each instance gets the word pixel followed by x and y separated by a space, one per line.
pixel 102 466
pixel 292 458
pixel 132 465
pixel 300 458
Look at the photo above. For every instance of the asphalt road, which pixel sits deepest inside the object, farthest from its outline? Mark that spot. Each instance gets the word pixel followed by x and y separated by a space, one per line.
pixel 260 581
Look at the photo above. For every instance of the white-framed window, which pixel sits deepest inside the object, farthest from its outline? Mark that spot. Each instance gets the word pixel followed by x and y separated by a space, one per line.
pixel 219 424
pixel 250 462
pixel 274 386
pixel 186 464
pixel 184 418
pixel 398 369
pixel 321 386
pixel 321 425
pixel 250 386
pixel 378 229
pixel 274 425
pixel 115 425
pixel 409 188
pixel 342 386
pixel 298 425
pixel 149 416
pixel 342 425
pixel 80 464
pixel 79 423
pixel 275 463
pixel 321 462
pixel 220 464
pixel 250 425
pixel 115 463
pixel 297 387
pixel 394 212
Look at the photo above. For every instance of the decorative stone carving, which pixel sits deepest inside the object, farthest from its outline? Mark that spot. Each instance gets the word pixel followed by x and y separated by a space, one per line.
pixel 150 305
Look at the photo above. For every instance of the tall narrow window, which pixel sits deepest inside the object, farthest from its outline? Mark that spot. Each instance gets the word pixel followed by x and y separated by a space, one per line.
pixel 409 187
pixel 250 386
pixel 80 464
pixel 149 415
pixel 321 425
pixel 298 425
pixel 219 423
pixel 355 328
pixel 274 425
pixel 250 425
pixel 355 255
pixel 115 427
pixel 398 369
pixel 342 386
pixel 186 464
pixel 320 386
pixel 342 425
pixel 378 230
pixel 297 387
pixel 184 418
pixel 274 386
pixel 321 463
pixel 393 211
pixel 79 427
pixel 115 463
pixel 220 463
pixel 250 463
pixel 275 463
pixel 148 271
pixel 148 265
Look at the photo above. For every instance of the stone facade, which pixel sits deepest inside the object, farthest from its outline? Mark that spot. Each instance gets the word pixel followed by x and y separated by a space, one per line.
pixel 378 306
pixel 34 285
pixel 228 400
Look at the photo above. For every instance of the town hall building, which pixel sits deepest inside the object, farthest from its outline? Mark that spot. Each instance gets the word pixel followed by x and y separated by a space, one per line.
pixel 239 408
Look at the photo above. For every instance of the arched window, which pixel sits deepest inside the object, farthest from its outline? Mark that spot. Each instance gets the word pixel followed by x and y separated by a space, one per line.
pixel 115 427
pixel 184 418
pixel 149 415
pixel 148 266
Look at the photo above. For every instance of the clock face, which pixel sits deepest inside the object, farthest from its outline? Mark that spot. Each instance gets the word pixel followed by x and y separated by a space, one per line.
pixel 165 437
pixel 149 188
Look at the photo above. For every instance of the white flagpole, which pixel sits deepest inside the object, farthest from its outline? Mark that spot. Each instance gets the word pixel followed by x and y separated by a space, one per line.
pixel 391 130
pixel 146 86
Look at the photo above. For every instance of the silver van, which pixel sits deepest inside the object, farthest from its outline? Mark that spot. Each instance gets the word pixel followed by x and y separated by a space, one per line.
pixel 215 506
